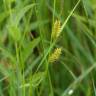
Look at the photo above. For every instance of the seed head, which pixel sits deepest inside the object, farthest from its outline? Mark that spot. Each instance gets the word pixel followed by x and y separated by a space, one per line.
pixel 55 55
pixel 56 30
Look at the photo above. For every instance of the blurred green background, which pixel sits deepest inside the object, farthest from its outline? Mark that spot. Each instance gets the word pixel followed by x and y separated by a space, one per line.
pixel 25 44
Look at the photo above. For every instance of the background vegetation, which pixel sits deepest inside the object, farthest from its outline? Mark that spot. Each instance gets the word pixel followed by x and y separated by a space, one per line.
pixel 26 46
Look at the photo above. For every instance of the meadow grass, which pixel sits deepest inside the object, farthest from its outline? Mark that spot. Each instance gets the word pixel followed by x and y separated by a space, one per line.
pixel 47 47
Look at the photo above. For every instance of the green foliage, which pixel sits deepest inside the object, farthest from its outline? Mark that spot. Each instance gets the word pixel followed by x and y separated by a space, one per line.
pixel 26 44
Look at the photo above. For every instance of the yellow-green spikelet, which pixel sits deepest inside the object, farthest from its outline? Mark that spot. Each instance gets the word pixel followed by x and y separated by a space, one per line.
pixel 56 30
pixel 55 55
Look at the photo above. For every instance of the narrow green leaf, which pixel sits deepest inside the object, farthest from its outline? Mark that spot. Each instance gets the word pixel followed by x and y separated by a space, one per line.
pixel 22 12
pixel 29 48
pixel 14 32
